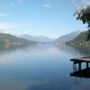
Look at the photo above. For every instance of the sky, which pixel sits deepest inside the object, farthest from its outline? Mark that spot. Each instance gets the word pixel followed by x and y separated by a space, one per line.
pixel 51 18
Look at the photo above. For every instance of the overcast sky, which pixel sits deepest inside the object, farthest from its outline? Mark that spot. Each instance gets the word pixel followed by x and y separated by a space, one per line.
pixel 51 18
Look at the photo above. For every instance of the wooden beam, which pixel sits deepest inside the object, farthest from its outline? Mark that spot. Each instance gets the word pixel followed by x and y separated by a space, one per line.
pixel 79 66
pixel 87 64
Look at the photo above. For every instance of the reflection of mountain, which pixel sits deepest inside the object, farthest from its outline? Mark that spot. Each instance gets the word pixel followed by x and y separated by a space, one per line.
pixel 75 51
pixel 84 51
pixel 85 73
pixel 37 38
pixel 4 59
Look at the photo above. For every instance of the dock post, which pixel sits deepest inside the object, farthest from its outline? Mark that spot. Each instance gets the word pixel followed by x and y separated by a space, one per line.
pixel 87 65
pixel 74 67
pixel 79 66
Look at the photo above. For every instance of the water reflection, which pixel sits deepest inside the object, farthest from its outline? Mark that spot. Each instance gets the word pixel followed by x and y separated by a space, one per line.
pixel 77 72
pixel 85 73
pixel 39 67
pixel 80 84
pixel 81 78
pixel 83 51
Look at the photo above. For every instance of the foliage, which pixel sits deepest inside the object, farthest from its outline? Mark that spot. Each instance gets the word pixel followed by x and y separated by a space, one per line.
pixel 84 15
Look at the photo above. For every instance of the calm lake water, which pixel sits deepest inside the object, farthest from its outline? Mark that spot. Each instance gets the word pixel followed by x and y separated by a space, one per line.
pixel 41 67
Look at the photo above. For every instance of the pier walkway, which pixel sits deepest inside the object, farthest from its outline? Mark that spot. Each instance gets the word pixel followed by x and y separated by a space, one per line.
pixel 81 60
pixel 78 71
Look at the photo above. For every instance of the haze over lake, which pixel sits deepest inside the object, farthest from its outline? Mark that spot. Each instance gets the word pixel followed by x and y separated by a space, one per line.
pixel 41 67
pixel 38 40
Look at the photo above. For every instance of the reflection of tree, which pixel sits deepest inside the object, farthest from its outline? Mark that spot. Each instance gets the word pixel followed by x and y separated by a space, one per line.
pixel 74 51
pixel 10 48
pixel 83 51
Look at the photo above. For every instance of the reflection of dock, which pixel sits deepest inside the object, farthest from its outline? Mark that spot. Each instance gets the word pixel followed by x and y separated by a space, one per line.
pixel 85 73
pixel 78 72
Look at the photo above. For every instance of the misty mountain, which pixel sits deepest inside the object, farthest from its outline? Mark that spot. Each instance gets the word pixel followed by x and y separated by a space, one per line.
pixel 36 38
pixel 68 37
pixel 8 39
pixel 80 40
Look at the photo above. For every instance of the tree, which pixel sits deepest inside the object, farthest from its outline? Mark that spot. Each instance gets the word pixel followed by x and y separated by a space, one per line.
pixel 83 14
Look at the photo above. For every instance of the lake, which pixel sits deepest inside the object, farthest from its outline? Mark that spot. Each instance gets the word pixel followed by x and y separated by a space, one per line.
pixel 41 67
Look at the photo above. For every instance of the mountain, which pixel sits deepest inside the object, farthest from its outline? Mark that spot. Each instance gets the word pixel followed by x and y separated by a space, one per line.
pixel 68 37
pixel 36 38
pixel 80 40
pixel 81 37
pixel 7 39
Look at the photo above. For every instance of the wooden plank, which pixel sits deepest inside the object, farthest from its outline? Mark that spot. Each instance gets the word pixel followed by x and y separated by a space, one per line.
pixel 84 59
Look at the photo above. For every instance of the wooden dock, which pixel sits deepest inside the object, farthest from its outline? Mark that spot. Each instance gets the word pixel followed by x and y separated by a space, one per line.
pixel 79 61
pixel 82 59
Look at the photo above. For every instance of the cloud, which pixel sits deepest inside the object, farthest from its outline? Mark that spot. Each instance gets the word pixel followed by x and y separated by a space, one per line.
pixel 47 6
pixel 9 25
pixel 86 2
pixel 6 26
pixel 25 24
pixel 3 14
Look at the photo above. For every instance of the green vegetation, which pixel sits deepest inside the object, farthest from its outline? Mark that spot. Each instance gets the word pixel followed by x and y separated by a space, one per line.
pixel 83 39
pixel 83 14
pixel 10 40
pixel 80 40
